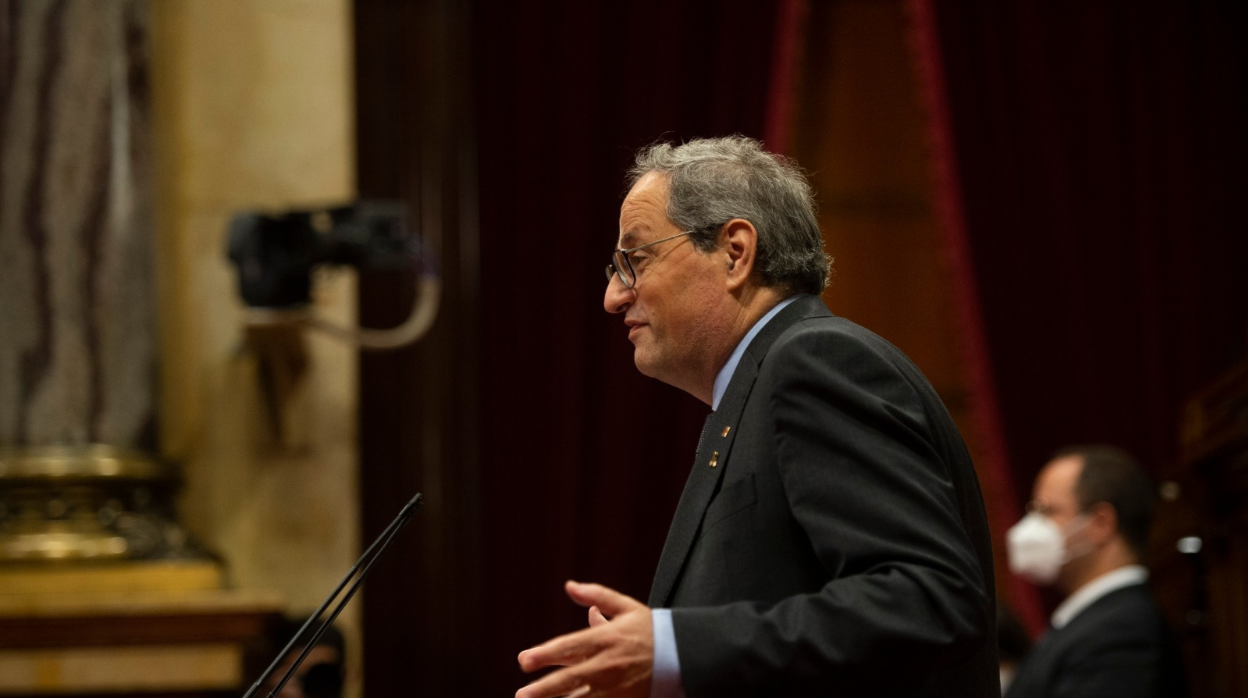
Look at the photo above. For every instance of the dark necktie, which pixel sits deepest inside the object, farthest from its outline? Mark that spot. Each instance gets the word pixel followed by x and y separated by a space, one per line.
pixel 705 425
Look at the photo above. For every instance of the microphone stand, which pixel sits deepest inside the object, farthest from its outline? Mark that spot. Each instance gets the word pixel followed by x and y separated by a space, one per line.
pixel 384 541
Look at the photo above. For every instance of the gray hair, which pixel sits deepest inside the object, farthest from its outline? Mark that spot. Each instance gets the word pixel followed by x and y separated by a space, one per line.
pixel 713 180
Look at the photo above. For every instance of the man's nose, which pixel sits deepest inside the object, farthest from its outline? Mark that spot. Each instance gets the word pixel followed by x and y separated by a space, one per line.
pixel 618 297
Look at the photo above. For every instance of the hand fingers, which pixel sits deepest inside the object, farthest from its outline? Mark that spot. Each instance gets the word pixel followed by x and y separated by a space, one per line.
pixel 561 651
pixel 596 618
pixel 565 682
pixel 619 672
pixel 609 601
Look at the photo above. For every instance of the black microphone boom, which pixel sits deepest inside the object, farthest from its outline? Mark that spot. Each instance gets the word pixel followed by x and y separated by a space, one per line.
pixel 383 540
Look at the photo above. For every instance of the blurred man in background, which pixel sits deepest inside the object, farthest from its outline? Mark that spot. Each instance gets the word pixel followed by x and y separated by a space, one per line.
pixel 1086 532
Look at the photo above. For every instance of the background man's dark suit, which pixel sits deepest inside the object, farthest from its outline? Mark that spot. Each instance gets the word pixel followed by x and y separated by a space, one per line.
pixel 832 532
pixel 1118 647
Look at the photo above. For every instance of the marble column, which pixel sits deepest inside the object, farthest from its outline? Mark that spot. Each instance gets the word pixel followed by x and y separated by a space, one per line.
pixel 77 305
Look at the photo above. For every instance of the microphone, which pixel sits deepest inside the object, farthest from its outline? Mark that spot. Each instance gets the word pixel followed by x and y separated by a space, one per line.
pixel 384 541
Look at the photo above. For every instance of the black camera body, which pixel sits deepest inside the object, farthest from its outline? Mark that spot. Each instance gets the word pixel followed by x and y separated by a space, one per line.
pixel 276 253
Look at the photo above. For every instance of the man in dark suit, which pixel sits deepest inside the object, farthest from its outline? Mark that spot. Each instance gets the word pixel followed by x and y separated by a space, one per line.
pixel 1086 532
pixel 831 537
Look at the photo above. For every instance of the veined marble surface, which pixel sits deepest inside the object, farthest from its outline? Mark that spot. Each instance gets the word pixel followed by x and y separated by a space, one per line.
pixel 77 306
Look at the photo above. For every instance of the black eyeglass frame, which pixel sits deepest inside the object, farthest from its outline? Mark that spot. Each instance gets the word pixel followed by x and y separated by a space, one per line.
pixel 622 266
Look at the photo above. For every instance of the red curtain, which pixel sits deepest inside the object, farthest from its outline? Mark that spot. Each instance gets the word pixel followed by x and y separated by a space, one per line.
pixel 1099 158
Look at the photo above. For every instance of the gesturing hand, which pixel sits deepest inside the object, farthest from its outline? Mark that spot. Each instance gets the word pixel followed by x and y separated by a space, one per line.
pixel 609 658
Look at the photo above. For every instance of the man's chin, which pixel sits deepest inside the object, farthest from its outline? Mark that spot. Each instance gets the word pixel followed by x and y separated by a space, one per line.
pixel 644 362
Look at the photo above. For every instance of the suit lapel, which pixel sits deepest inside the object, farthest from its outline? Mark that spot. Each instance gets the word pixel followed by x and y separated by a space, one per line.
pixel 714 447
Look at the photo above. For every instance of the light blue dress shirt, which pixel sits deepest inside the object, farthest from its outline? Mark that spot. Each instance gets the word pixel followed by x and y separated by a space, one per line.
pixel 665 682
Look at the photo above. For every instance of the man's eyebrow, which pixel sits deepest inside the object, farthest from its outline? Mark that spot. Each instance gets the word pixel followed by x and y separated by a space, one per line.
pixel 627 239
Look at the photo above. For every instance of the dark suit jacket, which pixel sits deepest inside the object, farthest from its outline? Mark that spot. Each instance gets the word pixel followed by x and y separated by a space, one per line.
pixel 1119 647
pixel 831 537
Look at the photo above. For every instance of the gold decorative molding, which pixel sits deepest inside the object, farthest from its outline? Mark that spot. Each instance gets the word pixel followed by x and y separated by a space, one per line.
pixel 92 502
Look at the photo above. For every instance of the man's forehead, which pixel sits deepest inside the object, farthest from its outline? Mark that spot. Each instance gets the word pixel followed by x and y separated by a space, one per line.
pixel 1057 478
pixel 644 209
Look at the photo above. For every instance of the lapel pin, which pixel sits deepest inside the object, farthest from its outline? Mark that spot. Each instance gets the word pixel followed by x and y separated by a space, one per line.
pixel 726 430
pixel 715 459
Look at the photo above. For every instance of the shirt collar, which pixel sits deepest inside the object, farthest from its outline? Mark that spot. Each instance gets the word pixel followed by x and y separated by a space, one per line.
pixel 1092 591
pixel 725 373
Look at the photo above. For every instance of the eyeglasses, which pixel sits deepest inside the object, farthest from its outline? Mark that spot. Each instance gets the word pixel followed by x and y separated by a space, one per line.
pixel 1036 506
pixel 622 264
pixel 1043 508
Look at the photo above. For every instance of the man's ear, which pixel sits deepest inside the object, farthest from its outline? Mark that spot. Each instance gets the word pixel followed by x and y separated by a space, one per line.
pixel 1103 521
pixel 739 240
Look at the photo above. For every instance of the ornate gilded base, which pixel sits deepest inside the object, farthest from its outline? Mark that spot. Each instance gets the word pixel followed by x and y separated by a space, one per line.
pixel 88 503
pixel 61 540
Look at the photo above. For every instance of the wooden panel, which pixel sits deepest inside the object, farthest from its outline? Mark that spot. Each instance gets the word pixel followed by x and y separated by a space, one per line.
pixel 121 669
pixel 126 630
pixel 29 621
pixel 127 643
pixel 1205 593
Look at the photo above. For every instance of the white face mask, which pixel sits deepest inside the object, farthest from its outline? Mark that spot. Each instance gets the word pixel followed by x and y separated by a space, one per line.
pixel 1037 547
